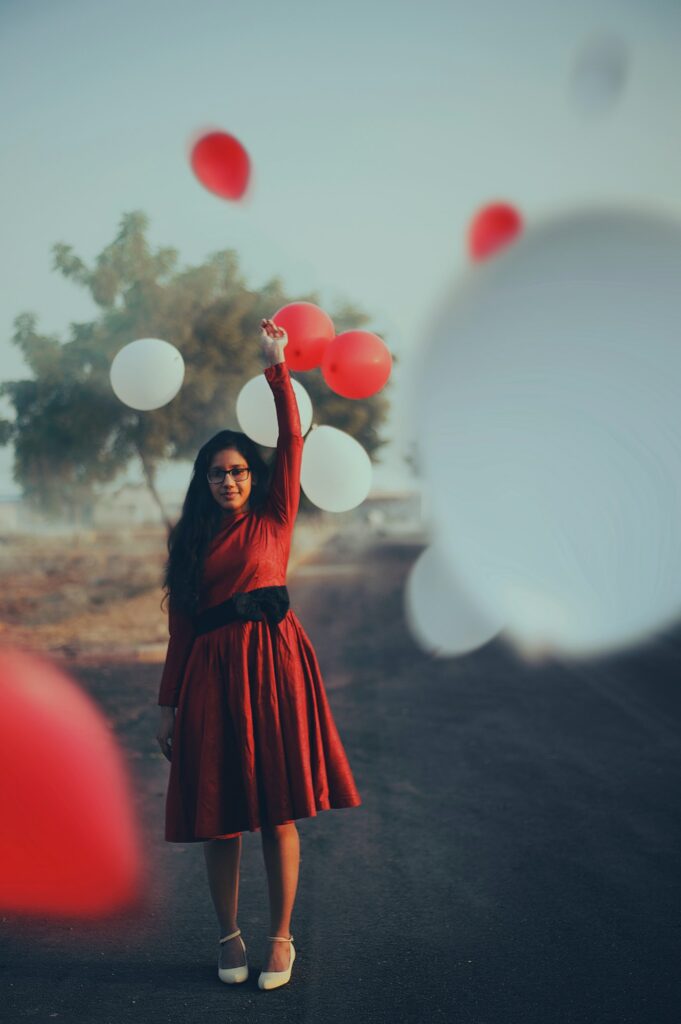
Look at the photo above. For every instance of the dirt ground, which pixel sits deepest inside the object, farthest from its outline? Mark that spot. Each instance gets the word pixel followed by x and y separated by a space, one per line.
pixel 515 857
pixel 96 594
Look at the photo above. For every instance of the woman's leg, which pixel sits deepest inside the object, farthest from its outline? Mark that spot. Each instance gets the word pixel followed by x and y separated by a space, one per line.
pixel 281 852
pixel 223 857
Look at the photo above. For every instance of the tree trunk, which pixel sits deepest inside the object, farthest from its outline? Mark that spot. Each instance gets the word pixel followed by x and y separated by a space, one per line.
pixel 149 475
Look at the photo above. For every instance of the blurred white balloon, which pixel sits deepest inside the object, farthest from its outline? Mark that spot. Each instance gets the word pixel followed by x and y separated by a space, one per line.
pixel 257 413
pixel 147 373
pixel 336 471
pixel 440 613
pixel 599 74
pixel 551 436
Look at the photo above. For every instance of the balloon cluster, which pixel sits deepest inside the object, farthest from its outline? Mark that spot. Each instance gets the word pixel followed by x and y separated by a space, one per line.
pixel 336 470
pixel 148 373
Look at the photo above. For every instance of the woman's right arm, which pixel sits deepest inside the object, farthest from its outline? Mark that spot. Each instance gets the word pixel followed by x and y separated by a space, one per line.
pixel 182 632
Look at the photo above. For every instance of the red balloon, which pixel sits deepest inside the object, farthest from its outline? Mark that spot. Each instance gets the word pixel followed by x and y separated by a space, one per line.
pixel 492 228
pixel 356 364
pixel 68 841
pixel 221 164
pixel 309 331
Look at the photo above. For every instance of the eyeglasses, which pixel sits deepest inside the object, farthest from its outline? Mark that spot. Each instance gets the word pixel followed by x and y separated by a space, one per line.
pixel 216 475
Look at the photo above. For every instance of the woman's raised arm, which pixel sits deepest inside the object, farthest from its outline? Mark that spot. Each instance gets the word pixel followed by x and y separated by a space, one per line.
pixel 284 495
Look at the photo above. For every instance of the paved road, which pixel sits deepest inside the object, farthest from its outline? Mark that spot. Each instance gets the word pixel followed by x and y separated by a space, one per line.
pixel 516 857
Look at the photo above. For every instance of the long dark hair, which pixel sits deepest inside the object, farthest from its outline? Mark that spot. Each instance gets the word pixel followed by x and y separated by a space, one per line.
pixel 201 518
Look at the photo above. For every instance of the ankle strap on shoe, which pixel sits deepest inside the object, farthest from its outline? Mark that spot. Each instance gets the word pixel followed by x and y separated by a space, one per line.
pixel 282 938
pixel 225 937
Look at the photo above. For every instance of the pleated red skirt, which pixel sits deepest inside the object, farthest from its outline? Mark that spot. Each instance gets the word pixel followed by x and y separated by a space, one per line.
pixel 254 741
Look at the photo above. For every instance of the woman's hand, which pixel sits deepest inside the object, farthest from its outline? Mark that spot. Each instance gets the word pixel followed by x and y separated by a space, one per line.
pixel 274 339
pixel 164 734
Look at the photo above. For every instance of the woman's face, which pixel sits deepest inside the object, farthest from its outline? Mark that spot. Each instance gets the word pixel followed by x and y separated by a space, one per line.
pixel 231 494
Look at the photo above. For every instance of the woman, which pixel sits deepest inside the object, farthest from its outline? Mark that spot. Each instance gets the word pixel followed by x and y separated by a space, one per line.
pixel 245 721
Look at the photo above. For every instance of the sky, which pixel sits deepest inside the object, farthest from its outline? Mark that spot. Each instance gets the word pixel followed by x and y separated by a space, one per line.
pixel 376 130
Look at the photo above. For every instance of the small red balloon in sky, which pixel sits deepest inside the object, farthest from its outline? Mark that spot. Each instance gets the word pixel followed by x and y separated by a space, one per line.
pixel 309 331
pixel 356 364
pixel 221 164
pixel 68 839
pixel 492 228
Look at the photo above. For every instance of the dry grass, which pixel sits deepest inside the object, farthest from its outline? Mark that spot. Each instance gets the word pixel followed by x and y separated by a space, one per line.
pixel 96 595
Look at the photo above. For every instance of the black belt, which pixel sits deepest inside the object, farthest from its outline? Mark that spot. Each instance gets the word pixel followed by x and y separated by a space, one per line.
pixel 271 603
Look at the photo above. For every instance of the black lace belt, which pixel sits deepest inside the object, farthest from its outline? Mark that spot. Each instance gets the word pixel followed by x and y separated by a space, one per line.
pixel 269 603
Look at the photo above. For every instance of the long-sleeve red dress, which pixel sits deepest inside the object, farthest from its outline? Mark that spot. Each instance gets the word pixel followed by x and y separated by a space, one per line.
pixel 254 740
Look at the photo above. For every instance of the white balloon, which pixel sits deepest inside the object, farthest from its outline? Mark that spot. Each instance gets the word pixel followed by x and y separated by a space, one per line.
pixel 336 470
pixel 257 413
pixel 147 373
pixel 599 74
pixel 549 400
pixel 440 612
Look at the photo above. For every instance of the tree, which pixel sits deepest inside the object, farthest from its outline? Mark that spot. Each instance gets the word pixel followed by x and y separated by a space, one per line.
pixel 71 433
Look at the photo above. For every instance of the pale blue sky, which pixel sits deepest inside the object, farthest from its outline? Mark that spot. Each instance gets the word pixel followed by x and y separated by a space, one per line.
pixel 375 129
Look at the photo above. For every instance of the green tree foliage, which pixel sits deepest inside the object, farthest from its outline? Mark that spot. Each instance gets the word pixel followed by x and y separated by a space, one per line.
pixel 71 433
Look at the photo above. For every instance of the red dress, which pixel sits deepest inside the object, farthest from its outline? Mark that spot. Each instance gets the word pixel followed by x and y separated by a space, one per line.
pixel 254 740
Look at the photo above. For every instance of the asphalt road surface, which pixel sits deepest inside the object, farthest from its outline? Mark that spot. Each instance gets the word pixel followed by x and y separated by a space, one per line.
pixel 515 859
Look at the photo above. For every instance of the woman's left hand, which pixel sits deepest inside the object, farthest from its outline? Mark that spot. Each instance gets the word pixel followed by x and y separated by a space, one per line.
pixel 274 339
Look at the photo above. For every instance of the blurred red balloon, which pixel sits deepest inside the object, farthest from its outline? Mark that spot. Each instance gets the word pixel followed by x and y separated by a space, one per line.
pixel 221 164
pixel 68 842
pixel 356 364
pixel 309 331
pixel 492 228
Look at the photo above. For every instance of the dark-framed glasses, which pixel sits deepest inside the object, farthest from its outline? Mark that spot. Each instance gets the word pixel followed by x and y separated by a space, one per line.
pixel 217 474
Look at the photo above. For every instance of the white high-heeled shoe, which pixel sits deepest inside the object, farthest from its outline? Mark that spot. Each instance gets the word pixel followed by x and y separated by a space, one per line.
pixel 233 975
pixel 273 979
